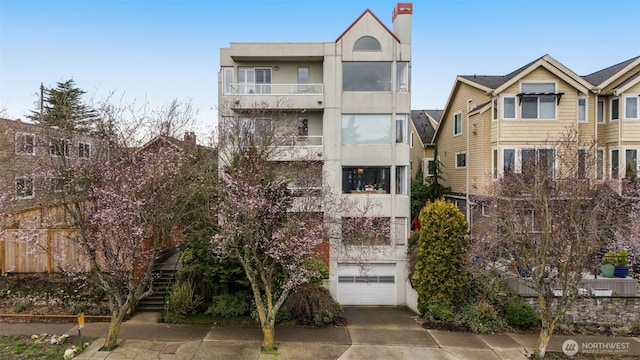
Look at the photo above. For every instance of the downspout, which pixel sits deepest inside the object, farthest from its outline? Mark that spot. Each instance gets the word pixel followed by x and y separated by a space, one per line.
pixel 468 165
pixel 595 136
pixel 619 144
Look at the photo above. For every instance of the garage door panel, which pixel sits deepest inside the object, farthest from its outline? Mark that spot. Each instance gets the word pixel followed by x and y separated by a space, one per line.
pixel 375 285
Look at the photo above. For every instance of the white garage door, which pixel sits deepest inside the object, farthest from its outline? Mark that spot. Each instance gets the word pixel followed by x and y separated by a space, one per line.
pixel 374 284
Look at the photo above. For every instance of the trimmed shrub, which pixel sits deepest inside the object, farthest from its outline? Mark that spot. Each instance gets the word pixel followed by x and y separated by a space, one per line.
pixel 313 305
pixel 521 315
pixel 229 305
pixel 317 269
pixel 182 299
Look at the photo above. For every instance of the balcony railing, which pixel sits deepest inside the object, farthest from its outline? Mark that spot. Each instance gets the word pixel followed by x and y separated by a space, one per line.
pixel 310 140
pixel 274 89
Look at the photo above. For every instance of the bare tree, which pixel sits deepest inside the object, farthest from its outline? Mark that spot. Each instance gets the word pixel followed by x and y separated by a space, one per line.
pixel 549 221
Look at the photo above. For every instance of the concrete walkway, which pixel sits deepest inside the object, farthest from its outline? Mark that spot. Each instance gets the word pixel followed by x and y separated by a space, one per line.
pixel 373 333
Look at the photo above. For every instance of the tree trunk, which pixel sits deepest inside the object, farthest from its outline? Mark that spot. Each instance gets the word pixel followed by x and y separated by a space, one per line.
pixel 111 342
pixel 543 341
pixel 268 335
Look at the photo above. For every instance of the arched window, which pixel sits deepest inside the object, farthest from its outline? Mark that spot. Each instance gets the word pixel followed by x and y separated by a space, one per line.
pixel 367 43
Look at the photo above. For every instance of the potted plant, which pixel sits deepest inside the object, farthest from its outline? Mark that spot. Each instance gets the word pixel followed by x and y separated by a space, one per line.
pixel 607 268
pixel 622 264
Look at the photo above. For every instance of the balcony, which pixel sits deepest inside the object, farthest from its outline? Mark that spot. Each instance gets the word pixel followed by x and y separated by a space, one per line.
pixel 276 96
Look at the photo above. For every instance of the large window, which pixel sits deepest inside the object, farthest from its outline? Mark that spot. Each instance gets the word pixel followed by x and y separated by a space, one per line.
pixel 366 76
pixel 254 80
pixel 509 107
pixel 401 128
pixel 631 107
pixel 538 161
pixel 366 180
pixel 25 144
pixel 461 160
pixel 59 147
pixel 24 187
pixel 359 230
pixel 366 129
pixel 538 101
pixel 457 124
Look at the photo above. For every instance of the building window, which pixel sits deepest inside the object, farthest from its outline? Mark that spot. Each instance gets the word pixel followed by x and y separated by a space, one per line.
pixel 508 161
pixel 461 160
pixel 600 115
pixel 582 110
pixel 401 179
pixel 366 76
pixel 254 80
pixel 411 140
pixel 615 109
pixel 400 230
pixel 631 163
pixel 84 150
pixel 494 163
pixel 615 164
pixel 599 164
pixel 402 76
pixel 457 124
pixel 401 128
pixel 303 79
pixel 494 112
pixel 536 162
pixel 366 180
pixel 227 80
pixel 366 129
pixel 24 187
pixel 430 167
pixel 359 230
pixel 367 43
pixel 25 144
pixel 509 107
pixel 582 163
pixel 57 184
pixel 538 101
pixel 631 107
pixel 59 147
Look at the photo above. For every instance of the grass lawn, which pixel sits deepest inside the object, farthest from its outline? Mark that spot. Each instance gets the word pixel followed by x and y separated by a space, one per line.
pixel 18 347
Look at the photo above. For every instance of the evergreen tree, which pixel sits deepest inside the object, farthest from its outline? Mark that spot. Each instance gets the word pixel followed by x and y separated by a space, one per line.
pixel 63 108
pixel 435 190
pixel 419 193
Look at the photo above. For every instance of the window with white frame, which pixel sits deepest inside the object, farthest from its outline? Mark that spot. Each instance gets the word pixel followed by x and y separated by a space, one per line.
pixel 25 144
pixel 631 107
pixel 509 107
pixel 59 147
pixel 494 163
pixel 411 140
pixel 401 128
pixel 227 80
pixel 57 184
pixel 401 179
pixel 402 76
pixel 254 80
pixel 24 187
pixel 429 167
pixel 599 164
pixel 303 79
pixel 582 110
pixel 615 164
pixel 494 112
pixel 508 161
pixel 600 112
pixel 84 150
pixel 583 157
pixel 631 163
pixel 366 76
pixel 615 109
pixel 461 160
pixel 457 124
pixel 538 101
pixel 537 161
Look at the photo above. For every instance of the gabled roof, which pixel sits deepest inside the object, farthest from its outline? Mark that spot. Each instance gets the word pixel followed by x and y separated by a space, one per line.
pixel 360 17
pixel 627 83
pixel 426 122
pixel 495 81
pixel 605 76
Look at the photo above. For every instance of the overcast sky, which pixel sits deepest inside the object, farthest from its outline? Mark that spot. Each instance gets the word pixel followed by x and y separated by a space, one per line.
pixel 166 49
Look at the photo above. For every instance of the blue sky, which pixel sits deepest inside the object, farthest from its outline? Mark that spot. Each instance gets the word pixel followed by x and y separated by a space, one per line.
pixel 165 49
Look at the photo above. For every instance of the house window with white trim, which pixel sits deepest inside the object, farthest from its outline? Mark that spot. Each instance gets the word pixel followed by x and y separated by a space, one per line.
pixel 24 187
pixel 227 80
pixel 430 167
pixel 494 112
pixel 509 107
pixel 59 147
pixel 508 161
pixel 631 163
pixel 401 179
pixel 615 109
pixel 57 184
pixel 600 164
pixel 600 112
pixel 84 150
pixel 582 110
pixel 583 156
pixel 538 101
pixel 494 164
pixel 615 164
pixel 457 124
pixel 631 108
pixel 254 80
pixel 25 144
pixel 461 160
pixel 402 76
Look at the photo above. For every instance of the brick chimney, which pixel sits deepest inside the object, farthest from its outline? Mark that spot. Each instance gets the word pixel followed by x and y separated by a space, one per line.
pixel 190 137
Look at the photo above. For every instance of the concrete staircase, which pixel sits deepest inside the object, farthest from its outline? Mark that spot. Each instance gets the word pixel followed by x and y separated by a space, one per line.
pixel 163 278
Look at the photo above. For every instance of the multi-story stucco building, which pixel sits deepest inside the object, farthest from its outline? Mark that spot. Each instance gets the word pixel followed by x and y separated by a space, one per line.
pixel 494 125
pixel 353 101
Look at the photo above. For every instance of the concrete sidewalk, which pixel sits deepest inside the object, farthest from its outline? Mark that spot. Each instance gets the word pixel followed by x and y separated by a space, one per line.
pixel 373 333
